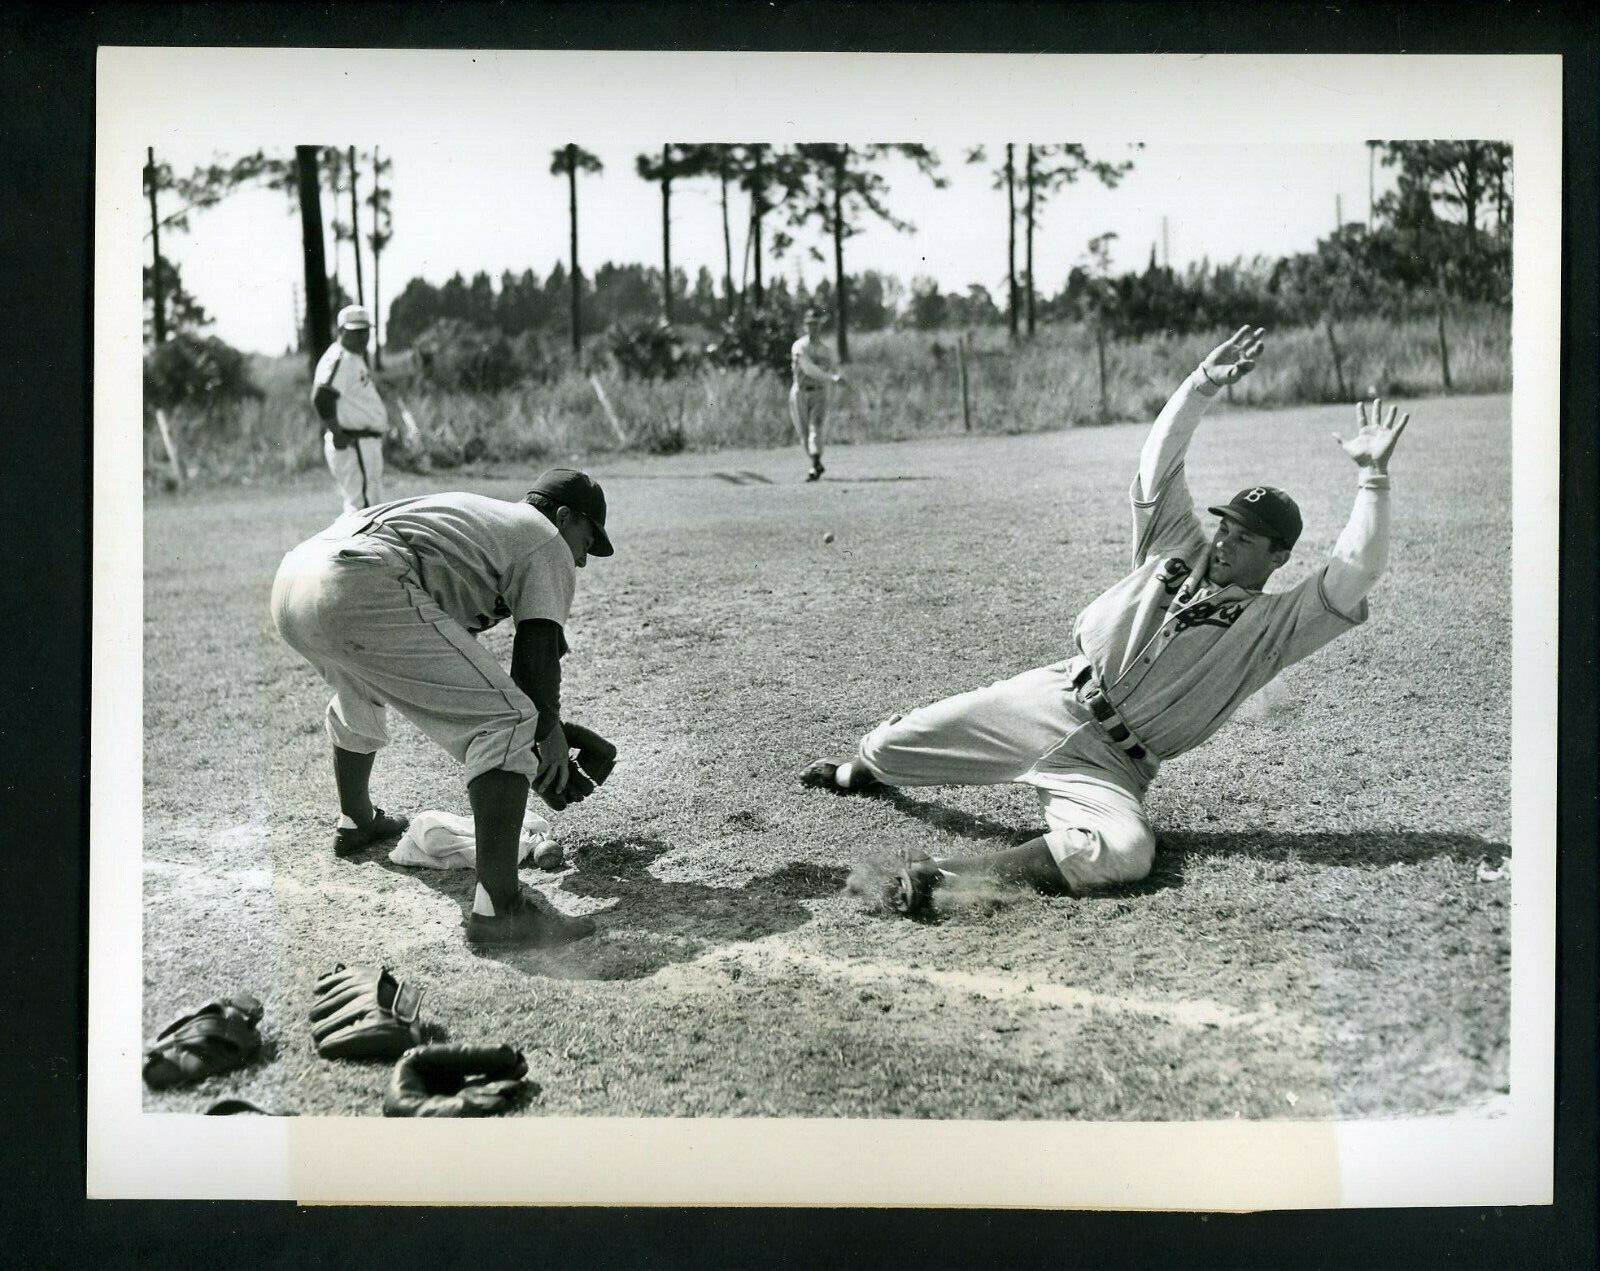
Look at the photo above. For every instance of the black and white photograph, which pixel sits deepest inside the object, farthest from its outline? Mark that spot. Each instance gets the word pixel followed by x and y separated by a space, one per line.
pixel 798 628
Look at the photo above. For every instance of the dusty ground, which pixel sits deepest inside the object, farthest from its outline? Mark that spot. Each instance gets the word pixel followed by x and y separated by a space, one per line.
pixel 1314 939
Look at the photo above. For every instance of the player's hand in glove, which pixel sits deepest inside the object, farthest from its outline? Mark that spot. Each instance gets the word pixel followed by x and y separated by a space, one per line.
pixel 596 756
pixel 1235 357
pixel 365 1013
pixel 449 1080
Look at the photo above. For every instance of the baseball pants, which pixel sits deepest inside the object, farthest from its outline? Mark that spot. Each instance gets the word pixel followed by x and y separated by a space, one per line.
pixel 353 607
pixel 1031 730
pixel 357 469
pixel 808 408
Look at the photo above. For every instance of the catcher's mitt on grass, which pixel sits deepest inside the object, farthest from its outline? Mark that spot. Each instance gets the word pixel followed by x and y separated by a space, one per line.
pixel 365 1013
pixel 450 1080
pixel 593 758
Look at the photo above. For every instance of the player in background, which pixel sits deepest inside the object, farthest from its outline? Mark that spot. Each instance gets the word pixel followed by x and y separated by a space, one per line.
pixel 352 413
pixel 1160 660
pixel 812 362
pixel 387 604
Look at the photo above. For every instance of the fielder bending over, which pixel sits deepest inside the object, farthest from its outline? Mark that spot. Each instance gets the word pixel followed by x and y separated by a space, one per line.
pixel 1162 659
pixel 812 363
pixel 387 604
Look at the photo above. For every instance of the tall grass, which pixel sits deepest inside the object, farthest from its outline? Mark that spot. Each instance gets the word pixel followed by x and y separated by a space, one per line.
pixel 901 384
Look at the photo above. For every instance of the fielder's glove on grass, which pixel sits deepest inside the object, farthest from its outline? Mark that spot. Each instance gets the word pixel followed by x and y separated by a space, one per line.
pixel 450 1080
pixel 365 1013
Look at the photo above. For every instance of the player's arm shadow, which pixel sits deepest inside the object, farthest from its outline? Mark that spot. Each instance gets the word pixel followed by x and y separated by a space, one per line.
pixel 650 923
pixel 1362 849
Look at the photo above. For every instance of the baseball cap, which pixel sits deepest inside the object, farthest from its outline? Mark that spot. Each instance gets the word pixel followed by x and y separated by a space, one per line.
pixel 354 316
pixel 1265 509
pixel 582 493
pixel 817 312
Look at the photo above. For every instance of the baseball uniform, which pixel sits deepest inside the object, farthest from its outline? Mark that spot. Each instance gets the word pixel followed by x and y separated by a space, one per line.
pixel 387 602
pixel 812 363
pixel 357 467
pixel 1161 660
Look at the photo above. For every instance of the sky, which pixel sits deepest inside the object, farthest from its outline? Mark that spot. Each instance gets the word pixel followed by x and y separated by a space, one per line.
pixel 488 202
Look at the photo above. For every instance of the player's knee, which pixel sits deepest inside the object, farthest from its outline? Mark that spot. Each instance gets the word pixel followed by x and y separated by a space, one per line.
pixel 1091 859
pixel 1132 853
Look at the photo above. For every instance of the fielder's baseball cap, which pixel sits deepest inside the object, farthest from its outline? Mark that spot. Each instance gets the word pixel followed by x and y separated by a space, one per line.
pixel 1264 509
pixel 817 312
pixel 354 316
pixel 582 493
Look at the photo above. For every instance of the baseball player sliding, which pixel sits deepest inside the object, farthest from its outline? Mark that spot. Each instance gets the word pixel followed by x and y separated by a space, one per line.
pixel 387 602
pixel 812 362
pixel 352 413
pixel 1162 659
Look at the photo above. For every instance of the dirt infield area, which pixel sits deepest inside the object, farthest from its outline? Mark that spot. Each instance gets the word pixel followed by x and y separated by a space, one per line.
pixel 1315 939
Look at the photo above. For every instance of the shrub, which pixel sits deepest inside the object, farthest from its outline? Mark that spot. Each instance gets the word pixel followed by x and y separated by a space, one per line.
pixel 455 355
pixel 649 350
pixel 756 337
pixel 199 371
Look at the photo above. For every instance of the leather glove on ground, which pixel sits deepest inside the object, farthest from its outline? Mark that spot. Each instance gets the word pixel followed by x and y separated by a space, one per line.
pixel 453 1080
pixel 365 1013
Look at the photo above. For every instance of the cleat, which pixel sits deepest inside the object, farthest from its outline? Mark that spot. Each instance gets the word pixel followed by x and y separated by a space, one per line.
pixel 347 842
pixel 911 891
pixel 535 924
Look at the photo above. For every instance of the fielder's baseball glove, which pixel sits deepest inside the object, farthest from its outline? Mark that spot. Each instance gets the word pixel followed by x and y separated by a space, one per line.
pixel 448 1080
pixel 365 1013
pixel 593 758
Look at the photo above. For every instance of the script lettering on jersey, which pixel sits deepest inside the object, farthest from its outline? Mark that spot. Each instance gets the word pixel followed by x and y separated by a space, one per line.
pixel 1209 613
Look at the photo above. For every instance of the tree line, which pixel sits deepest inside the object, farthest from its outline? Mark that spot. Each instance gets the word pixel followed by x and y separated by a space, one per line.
pixel 1444 233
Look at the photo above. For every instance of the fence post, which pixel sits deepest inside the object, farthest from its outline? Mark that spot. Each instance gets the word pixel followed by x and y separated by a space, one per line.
pixel 1444 349
pixel 961 372
pixel 1105 401
pixel 172 449
pixel 605 405
pixel 1338 361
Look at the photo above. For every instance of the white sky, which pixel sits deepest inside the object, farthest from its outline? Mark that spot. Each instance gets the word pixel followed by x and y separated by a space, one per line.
pixel 486 201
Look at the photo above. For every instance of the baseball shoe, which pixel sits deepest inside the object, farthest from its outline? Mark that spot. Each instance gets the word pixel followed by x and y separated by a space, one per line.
pixel 535 923
pixel 348 841
pixel 816 470
pixel 911 891
pixel 822 774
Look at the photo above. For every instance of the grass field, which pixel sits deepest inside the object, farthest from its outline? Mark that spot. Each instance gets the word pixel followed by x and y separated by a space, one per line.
pixel 1313 941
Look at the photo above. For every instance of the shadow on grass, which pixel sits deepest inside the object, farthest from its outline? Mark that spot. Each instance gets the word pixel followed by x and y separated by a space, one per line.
pixel 870 480
pixel 652 923
pixel 1371 849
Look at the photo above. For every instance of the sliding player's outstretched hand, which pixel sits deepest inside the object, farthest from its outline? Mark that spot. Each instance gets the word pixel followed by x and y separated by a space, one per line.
pixel 1235 357
pixel 1376 435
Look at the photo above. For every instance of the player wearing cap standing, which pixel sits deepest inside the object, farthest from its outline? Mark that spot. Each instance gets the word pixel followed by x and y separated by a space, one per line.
pixel 387 603
pixel 812 363
pixel 1162 659
pixel 352 413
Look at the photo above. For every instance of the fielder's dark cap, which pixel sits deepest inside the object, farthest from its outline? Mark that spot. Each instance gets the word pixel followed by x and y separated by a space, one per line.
pixel 1264 509
pixel 582 493
pixel 817 312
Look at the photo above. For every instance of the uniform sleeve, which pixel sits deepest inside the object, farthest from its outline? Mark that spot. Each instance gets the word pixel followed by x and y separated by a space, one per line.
pixel 541 584
pixel 327 375
pixel 1164 521
pixel 1362 552
pixel 803 364
pixel 1303 619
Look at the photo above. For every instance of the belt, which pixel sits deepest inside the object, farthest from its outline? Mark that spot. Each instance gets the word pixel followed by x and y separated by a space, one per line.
pixel 358 432
pixel 1087 687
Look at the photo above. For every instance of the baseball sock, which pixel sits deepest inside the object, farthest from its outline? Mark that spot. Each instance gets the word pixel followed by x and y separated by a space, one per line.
pixel 1030 863
pixel 499 800
pixel 352 773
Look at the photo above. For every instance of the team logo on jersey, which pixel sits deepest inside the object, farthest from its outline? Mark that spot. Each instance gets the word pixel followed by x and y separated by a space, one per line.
pixel 1172 573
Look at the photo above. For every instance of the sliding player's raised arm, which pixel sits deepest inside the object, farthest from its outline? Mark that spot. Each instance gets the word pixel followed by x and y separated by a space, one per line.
pixel 1163 509
pixel 1361 553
